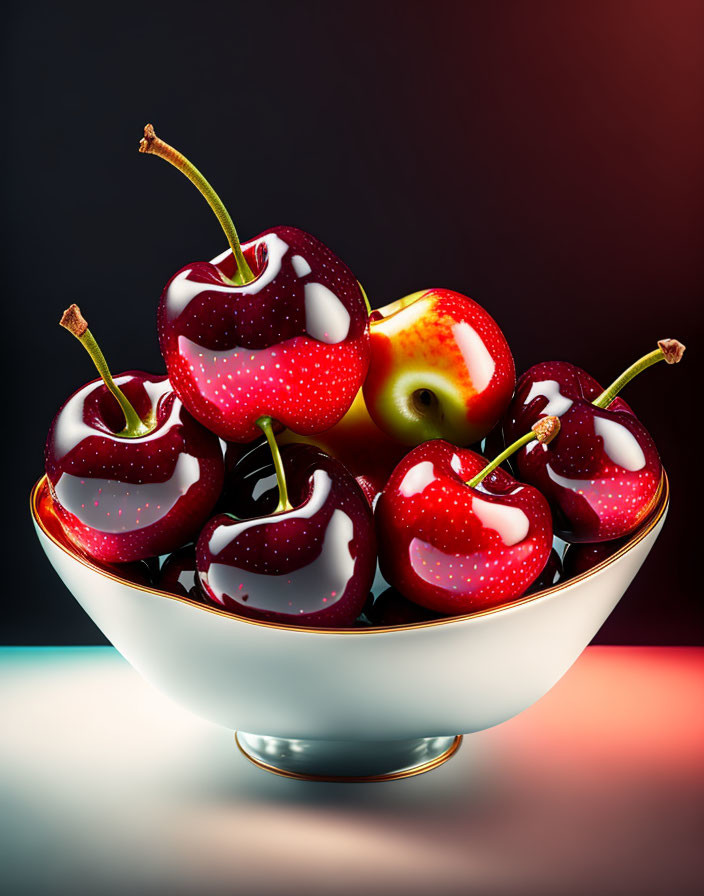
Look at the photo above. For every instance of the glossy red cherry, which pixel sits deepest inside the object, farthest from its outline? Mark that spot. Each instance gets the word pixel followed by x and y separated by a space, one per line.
pixel 139 572
pixel 131 473
pixel 456 535
pixel 602 473
pixel 178 574
pixel 277 327
pixel 552 574
pixel 307 561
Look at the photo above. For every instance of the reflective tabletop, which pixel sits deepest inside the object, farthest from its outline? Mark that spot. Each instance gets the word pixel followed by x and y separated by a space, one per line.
pixel 106 786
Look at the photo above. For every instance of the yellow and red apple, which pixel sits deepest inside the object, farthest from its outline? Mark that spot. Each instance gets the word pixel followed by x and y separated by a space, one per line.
pixel 440 369
pixel 367 452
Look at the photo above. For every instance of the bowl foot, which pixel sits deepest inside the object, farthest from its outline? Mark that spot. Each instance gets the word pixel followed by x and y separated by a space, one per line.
pixel 340 760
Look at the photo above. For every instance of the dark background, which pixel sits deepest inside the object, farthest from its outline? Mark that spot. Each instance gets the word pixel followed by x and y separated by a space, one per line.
pixel 545 158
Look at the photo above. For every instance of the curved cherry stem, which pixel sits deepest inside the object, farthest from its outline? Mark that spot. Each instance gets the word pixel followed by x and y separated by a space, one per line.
pixel 544 431
pixel 152 144
pixel 669 350
pixel 73 321
pixel 264 423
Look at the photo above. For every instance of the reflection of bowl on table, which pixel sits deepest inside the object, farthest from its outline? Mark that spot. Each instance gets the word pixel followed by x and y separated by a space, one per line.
pixel 369 703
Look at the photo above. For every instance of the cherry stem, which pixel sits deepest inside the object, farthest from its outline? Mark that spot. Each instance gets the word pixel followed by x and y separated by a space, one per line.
pixel 73 321
pixel 669 350
pixel 264 423
pixel 150 143
pixel 544 431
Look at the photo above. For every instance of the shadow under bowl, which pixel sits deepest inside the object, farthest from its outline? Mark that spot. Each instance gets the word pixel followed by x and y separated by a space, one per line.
pixel 354 704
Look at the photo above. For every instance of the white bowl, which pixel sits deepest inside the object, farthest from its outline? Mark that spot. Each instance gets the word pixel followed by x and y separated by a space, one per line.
pixel 353 704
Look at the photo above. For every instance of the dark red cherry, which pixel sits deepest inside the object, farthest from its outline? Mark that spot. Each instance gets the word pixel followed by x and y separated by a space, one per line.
pixel 178 574
pixel 456 535
pixel 138 572
pixel 293 344
pixel 392 608
pixel 581 558
pixel 602 473
pixel 311 563
pixel 277 327
pixel 127 489
pixel 552 573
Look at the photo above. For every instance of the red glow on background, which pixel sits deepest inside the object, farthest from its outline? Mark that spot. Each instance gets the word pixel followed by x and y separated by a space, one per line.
pixel 619 711
pixel 596 789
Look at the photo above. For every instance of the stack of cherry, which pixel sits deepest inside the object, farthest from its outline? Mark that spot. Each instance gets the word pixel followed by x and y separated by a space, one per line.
pixel 274 461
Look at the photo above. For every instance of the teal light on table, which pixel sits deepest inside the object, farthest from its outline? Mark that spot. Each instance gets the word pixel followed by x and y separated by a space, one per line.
pixel 106 786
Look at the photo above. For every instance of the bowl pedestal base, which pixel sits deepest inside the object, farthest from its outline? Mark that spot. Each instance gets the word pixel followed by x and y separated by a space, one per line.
pixel 341 760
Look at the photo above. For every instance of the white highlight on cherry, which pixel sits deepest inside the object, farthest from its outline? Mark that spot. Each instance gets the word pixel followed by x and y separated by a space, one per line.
pixel 182 291
pixel 620 445
pixel 327 319
pixel 329 573
pixel 300 266
pixel 557 404
pixel 417 478
pixel 531 446
pixel 263 485
pixel 96 501
pixel 221 257
pixel 575 485
pixel 322 483
pixel 511 523
pixel 71 428
pixel 476 355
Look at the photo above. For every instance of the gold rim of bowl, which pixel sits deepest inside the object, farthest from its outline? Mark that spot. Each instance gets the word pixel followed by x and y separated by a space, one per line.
pixel 658 508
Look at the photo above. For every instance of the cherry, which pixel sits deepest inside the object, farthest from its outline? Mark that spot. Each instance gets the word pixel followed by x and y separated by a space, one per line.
pixel 581 558
pixel 392 608
pixel 602 473
pixel 457 534
pixel 277 327
pixel 552 573
pixel 179 576
pixel 130 472
pixel 307 554
pixel 139 572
